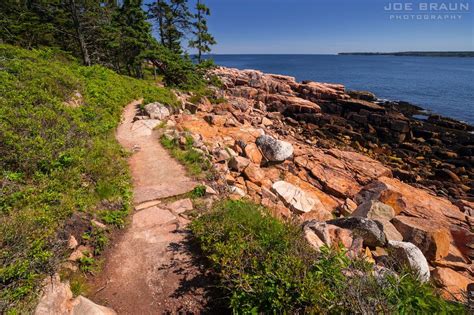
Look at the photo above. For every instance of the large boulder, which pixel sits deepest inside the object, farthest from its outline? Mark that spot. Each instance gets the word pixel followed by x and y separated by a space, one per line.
pixel 157 111
pixel 382 213
pixel 407 254
pixel 274 150
pixel 374 210
pixel 370 231
pixel 293 197
pixel 432 239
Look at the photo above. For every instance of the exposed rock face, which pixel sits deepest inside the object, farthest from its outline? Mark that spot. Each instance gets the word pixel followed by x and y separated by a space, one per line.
pixel 406 199
pixel 431 238
pixel 408 254
pixel 157 111
pixel 454 284
pixel 294 197
pixel 370 231
pixel 274 150
pixel 351 155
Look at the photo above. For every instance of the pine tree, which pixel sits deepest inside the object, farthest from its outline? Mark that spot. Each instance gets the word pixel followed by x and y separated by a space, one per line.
pixel 173 20
pixel 203 39
pixel 135 36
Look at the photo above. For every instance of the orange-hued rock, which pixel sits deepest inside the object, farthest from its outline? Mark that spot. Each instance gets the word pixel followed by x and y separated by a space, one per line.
pixel 291 104
pixel 431 238
pixel 336 181
pixel 454 284
pixel 364 168
pixel 326 91
pixel 253 153
pixel 341 172
pixel 254 174
pixel 411 201
pixel 321 233
pixel 330 203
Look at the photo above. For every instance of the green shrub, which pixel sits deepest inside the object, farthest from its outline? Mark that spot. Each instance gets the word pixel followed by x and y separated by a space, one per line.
pixel 266 266
pixel 198 191
pixel 56 160
pixel 194 161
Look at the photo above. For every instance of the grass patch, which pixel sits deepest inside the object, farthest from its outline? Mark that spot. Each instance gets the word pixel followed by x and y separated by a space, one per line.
pixel 266 266
pixel 194 161
pixel 56 160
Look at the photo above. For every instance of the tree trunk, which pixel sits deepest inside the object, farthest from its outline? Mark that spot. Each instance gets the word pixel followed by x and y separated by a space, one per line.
pixel 80 36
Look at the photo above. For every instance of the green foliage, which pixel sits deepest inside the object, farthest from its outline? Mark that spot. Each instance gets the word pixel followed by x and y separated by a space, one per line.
pixel 177 70
pixel 97 238
pixel 198 191
pixel 114 217
pixel 172 18
pixel 266 266
pixel 109 33
pixel 194 161
pixel 56 160
pixel 202 40
pixel 86 263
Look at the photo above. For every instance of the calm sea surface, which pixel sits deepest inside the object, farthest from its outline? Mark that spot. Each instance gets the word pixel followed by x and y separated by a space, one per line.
pixel 441 85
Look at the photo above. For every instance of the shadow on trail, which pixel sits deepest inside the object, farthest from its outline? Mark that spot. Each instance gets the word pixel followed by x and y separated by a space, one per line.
pixel 197 278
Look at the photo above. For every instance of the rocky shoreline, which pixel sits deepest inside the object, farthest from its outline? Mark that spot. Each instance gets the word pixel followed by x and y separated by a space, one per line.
pixel 351 169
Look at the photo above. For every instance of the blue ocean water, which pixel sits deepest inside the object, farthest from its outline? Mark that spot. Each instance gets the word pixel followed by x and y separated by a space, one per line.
pixel 442 85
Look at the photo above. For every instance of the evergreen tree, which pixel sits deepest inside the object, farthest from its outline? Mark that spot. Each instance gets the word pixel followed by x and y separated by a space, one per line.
pixel 135 36
pixel 203 39
pixel 173 20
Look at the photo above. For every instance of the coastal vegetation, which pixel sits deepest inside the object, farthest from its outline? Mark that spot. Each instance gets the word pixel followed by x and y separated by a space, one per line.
pixel 59 157
pixel 283 214
pixel 265 265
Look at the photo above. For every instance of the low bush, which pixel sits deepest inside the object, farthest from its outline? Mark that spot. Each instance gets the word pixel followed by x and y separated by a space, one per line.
pixel 56 159
pixel 266 266
pixel 194 161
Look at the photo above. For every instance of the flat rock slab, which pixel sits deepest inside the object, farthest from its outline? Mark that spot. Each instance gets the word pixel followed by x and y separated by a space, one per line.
pixel 151 217
pixel 181 206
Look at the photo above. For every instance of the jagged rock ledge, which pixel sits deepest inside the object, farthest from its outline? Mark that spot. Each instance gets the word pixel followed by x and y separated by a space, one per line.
pixel 351 169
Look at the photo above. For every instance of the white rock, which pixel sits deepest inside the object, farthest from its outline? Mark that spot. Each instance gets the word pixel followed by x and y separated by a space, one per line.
pixel 274 150
pixel 236 190
pixel 157 111
pixel 84 306
pixel 408 254
pixel 293 197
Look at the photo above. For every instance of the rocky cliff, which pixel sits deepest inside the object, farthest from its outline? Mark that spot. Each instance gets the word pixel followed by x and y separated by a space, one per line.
pixel 352 169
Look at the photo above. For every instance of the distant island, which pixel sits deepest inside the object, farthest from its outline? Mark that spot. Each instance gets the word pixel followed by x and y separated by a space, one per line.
pixel 415 53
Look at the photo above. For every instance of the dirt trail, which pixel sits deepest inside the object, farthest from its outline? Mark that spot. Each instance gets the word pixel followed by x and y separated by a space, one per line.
pixel 150 269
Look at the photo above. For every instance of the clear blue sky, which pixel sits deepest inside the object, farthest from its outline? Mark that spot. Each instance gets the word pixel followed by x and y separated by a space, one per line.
pixel 331 26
